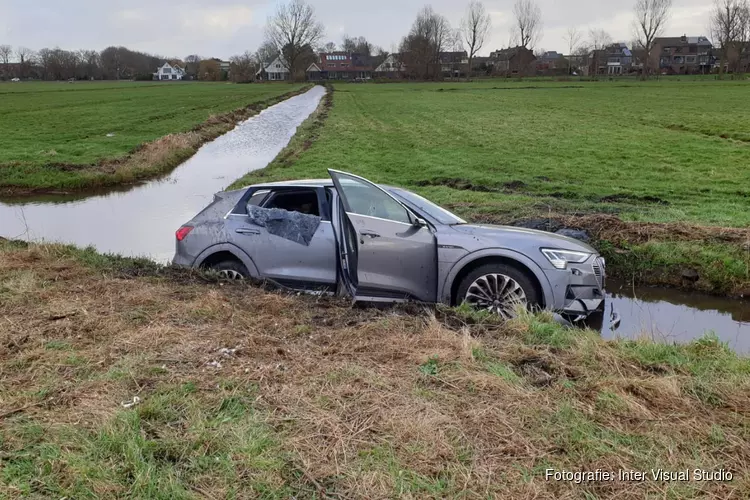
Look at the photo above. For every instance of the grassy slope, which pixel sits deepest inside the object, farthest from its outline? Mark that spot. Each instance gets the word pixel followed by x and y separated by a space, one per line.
pixel 319 400
pixel 668 151
pixel 48 124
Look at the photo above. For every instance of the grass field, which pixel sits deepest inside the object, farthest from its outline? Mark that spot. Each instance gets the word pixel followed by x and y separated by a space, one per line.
pixel 655 158
pixel 313 399
pixel 51 134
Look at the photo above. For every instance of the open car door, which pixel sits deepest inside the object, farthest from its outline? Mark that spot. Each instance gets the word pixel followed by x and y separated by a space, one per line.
pixel 386 252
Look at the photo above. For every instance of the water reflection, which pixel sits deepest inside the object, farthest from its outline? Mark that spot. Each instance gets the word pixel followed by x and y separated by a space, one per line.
pixel 668 315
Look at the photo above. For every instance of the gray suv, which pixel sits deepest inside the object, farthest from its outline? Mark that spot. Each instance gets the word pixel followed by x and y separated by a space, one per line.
pixel 375 243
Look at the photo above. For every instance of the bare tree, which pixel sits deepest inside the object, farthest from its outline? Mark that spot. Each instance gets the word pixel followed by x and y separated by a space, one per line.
pixel 243 67
pixel 573 37
pixel 598 41
pixel 744 47
pixel 728 19
pixel 358 45
pixel 293 29
pixel 650 18
pixel 5 52
pixel 25 57
pixel 363 47
pixel 89 65
pixel 192 63
pixel 475 28
pixel 209 70
pixel 329 47
pixel 582 55
pixel 348 43
pixel 266 53
pixel 378 57
pixel 420 50
pixel 528 23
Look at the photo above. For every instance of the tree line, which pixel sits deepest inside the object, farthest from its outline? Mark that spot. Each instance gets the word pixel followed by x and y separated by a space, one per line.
pixel 294 33
pixel 112 63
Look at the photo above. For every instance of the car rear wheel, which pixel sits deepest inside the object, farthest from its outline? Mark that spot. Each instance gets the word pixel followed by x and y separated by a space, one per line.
pixel 499 289
pixel 231 270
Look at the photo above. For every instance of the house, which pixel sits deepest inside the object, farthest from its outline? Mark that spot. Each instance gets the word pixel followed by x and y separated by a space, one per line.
pixel 391 67
pixel 169 72
pixel 551 62
pixel 737 58
pixel 276 71
pixel 580 63
pixel 617 59
pixel 224 66
pixel 683 54
pixel 481 65
pixel 512 61
pixel 454 64
pixel 339 66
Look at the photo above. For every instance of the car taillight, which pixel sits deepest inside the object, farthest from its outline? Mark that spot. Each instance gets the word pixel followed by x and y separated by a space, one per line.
pixel 182 232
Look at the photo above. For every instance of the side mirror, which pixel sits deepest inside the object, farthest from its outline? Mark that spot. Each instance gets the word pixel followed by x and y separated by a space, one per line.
pixel 419 222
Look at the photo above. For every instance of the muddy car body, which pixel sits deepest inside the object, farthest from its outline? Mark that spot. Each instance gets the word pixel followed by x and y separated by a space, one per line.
pixel 382 243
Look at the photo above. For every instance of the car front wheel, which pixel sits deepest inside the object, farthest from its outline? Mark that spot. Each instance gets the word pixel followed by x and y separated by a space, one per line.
pixel 231 270
pixel 499 289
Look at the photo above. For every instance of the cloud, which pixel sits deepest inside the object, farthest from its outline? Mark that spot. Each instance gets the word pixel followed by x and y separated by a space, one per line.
pixel 216 21
pixel 221 28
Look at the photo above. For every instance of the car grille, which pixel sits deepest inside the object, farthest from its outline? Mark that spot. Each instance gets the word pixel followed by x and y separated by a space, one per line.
pixel 599 271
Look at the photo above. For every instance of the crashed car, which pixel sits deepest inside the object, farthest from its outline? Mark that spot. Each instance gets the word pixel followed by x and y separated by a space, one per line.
pixel 350 236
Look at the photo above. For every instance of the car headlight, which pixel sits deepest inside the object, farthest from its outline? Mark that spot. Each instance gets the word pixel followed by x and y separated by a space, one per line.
pixel 561 258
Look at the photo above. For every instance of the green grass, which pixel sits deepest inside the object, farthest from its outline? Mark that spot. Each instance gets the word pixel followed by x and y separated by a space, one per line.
pixel 170 446
pixel 660 151
pixel 681 142
pixel 45 124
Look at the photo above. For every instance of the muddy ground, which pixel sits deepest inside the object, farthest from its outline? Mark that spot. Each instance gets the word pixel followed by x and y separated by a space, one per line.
pixel 251 393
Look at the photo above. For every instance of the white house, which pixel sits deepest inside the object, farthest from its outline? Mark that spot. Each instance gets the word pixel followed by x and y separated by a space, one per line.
pixel 169 72
pixel 277 70
pixel 390 65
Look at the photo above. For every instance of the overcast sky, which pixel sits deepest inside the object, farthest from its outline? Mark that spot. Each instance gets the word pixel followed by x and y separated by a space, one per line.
pixel 222 28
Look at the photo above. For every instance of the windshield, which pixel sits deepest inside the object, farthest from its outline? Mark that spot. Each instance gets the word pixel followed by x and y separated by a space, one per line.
pixel 428 208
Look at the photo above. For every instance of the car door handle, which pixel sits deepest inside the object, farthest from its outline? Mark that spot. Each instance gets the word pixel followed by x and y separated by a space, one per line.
pixel 245 230
pixel 371 234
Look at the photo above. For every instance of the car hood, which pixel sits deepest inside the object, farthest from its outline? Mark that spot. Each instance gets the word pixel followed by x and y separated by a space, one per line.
pixel 507 234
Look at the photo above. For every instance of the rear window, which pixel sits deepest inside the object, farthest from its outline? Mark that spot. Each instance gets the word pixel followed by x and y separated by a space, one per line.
pixel 258 197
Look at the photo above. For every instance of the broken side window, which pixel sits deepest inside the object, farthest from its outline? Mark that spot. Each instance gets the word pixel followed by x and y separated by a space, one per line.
pixel 294 226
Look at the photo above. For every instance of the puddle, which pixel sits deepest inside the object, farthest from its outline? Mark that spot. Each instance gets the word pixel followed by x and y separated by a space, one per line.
pixel 141 220
pixel 675 316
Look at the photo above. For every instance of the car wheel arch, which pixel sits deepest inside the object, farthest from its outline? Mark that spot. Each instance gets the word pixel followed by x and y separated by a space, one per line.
pixel 217 253
pixel 500 256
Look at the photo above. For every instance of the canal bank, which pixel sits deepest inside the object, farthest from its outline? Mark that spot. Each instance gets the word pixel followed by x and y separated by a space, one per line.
pixel 140 220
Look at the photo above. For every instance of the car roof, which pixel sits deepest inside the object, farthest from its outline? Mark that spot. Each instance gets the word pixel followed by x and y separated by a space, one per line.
pixel 309 183
pixel 298 182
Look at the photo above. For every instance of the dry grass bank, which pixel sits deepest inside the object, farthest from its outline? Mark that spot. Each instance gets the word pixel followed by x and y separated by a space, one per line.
pixel 314 399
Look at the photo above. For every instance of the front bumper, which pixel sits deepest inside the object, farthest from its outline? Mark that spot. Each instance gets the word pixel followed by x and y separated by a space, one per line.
pixel 583 300
pixel 579 289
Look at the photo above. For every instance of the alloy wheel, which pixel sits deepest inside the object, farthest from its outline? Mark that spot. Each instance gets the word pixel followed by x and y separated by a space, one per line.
pixel 496 293
pixel 230 274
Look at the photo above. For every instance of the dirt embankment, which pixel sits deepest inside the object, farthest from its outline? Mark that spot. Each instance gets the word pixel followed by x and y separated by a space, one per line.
pixel 282 395
pixel 157 157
